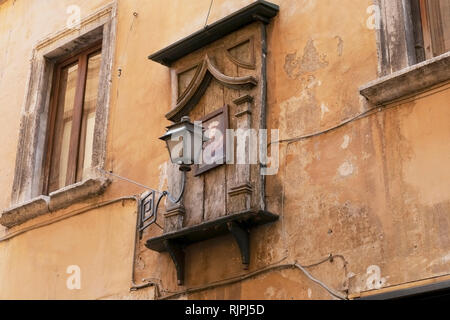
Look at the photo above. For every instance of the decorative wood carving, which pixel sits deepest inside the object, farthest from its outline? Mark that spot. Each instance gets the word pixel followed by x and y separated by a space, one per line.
pixel 225 70
pixel 241 190
pixel 196 89
pixel 183 77
pixel 242 236
pixel 250 62
pixel 177 254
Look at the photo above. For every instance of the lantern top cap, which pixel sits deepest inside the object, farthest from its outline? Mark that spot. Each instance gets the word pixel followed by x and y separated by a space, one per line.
pixel 185 124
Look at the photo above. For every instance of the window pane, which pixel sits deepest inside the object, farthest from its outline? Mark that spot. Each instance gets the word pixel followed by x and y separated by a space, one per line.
pixel 63 127
pixel 88 121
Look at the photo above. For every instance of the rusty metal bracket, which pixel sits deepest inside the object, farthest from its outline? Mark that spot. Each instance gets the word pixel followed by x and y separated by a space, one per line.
pixel 242 237
pixel 176 252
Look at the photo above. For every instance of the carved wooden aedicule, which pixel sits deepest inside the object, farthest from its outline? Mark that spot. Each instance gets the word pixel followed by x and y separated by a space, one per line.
pixel 218 76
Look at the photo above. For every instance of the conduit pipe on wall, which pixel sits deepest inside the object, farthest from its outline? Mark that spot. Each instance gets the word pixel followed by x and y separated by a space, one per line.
pixel 263 124
pixel 369 112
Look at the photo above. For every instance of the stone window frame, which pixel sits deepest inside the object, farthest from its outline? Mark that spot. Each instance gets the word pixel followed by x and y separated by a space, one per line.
pixel 28 177
pixel 400 74
pixel 395 36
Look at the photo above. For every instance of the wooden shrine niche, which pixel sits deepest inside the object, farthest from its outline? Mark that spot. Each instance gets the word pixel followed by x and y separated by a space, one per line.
pixel 218 77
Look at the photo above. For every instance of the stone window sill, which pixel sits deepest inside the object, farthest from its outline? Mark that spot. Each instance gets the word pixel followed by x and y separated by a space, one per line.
pixel 57 200
pixel 409 81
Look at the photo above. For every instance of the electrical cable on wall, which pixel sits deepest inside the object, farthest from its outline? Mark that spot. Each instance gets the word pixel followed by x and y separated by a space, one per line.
pixel 209 12
pixel 110 173
pixel 157 284
pixel 365 114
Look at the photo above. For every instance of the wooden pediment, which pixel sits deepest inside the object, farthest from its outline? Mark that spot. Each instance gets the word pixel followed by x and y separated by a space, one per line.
pixel 259 10
pixel 205 71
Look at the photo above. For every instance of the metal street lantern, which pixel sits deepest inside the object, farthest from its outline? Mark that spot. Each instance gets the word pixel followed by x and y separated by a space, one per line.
pixel 184 141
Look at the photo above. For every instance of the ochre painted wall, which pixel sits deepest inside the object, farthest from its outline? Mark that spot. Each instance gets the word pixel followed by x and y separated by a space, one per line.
pixel 34 264
pixel 375 191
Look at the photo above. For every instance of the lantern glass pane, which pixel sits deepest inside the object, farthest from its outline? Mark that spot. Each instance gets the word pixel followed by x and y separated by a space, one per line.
pixel 197 148
pixel 184 142
pixel 175 146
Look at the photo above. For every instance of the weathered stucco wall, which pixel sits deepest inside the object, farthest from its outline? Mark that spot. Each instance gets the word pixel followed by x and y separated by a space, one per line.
pixel 374 191
pixel 34 264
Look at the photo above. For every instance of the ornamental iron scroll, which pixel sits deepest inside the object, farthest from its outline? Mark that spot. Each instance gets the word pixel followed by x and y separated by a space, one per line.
pixel 149 204
pixel 150 201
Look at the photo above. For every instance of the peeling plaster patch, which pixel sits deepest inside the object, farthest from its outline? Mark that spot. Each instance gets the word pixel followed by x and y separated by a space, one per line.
pixel 441 261
pixel 289 107
pixel 299 6
pixel 301 113
pixel 309 293
pixel 355 224
pixel 366 156
pixel 324 109
pixel 313 83
pixel 140 265
pixel 446 258
pixel 340 45
pixel 346 169
pixel 270 292
pixel 311 61
pixel 163 177
pixel 294 101
pixel 346 142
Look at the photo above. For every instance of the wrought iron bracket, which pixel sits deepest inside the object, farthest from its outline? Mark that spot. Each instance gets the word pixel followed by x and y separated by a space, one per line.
pixel 149 203
pixel 148 207
pixel 148 210
pixel 242 237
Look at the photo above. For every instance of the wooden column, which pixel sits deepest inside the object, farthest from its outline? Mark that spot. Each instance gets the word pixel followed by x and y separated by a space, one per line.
pixel 241 189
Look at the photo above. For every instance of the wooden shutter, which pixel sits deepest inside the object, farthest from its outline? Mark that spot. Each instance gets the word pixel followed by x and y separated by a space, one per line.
pixel 435 15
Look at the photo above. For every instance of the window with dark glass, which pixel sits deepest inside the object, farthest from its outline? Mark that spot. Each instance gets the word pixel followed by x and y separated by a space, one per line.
pixel 72 119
